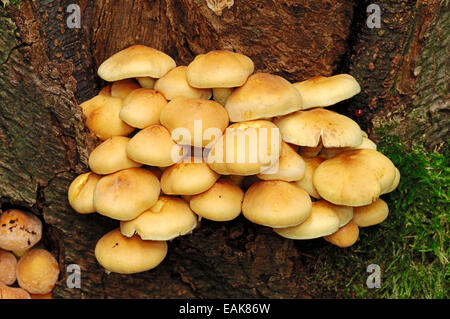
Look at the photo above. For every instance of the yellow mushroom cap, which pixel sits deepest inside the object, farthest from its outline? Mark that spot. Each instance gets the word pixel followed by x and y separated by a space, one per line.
pixel 311 164
pixel 371 214
pixel 174 84
pixel 189 177
pixel 221 95
pixel 142 108
pixel 290 167
pixel 120 254
pixel 219 69
pixel 81 193
pixel 111 156
pixel 322 221
pixel 346 236
pixel 37 271
pixel 170 217
pixel 354 178
pixel 394 184
pixel 13 293
pixel 8 264
pixel 344 213
pixel 126 193
pixel 246 148
pixel 146 82
pixel 222 202
pixel 276 204
pixel 321 91
pixel 102 117
pixel 122 88
pixel 308 128
pixel 263 96
pixel 136 61
pixel 19 230
pixel 193 117
pixel 154 146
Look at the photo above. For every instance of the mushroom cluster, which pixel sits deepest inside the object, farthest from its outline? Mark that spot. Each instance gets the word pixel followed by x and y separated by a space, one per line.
pixel 214 139
pixel 36 271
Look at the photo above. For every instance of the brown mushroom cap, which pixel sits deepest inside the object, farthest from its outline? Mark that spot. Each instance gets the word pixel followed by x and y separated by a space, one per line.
pixel 263 96
pixel 154 146
pixel 345 237
pixel 323 91
pixel 311 164
pixel 174 84
pixel 219 69
pixel 189 177
pixel 136 61
pixel 276 204
pixel 222 202
pixel 81 193
pixel 19 230
pixel 102 117
pixel 196 117
pixel 322 221
pixel 122 88
pixel 111 156
pixel 371 214
pixel 170 217
pixel 37 271
pixel 308 128
pixel 246 148
pixel 13 293
pixel 142 108
pixel 126 194
pixel 290 167
pixel 120 254
pixel 8 264
pixel 354 178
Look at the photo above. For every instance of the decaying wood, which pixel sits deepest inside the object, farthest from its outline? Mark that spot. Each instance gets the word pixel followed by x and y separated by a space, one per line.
pixel 47 69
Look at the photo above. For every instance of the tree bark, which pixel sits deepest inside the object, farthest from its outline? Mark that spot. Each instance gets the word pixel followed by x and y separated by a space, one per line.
pixel 47 69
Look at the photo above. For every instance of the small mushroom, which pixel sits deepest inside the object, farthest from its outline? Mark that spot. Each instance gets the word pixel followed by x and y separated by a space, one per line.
pixel 345 237
pixel 276 204
pixel 146 82
pixel 37 271
pixel 222 202
pixel 111 156
pixel 8 264
pixel 308 128
pixel 13 293
pixel 263 96
pixel 322 221
pixel 122 88
pixel 188 178
pixel 126 194
pixel 19 230
pixel 120 254
pixel 142 108
pixel 221 95
pixel 311 164
pixel 219 69
pixel 170 217
pixel 81 193
pixel 321 91
pixel 290 166
pixel 174 84
pixel 371 214
pixel 134 62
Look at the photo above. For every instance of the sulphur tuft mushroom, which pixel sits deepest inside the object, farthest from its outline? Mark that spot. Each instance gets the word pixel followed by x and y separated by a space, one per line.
pixel 8 264
pixel 371 214
pixel 81 193
pixel 123 88
pixel 119 254
pixel 276 204
pixel 170 217
pixel 19 230
pixel 345 237
pixel 37 271
pixel 311 164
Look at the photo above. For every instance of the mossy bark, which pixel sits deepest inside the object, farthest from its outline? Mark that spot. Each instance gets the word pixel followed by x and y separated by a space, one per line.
pixel 47 69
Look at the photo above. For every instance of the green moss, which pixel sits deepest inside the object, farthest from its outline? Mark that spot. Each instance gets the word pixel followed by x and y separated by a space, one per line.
pixel 411 246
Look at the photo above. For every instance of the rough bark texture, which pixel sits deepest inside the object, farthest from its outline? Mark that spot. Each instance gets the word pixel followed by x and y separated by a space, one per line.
pixel 46 69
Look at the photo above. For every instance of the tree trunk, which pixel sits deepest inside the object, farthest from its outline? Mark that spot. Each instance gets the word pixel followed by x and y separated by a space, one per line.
pixel 47 69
